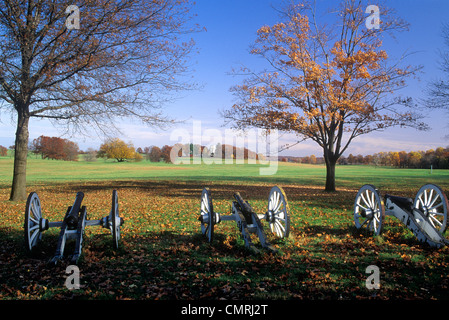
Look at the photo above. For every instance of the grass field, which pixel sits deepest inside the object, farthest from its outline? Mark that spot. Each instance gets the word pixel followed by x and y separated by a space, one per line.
pixel 163 255
pixel 53 171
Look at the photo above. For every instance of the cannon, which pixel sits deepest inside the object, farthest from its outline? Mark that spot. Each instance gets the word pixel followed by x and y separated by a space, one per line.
pixel 71 227
pixel 425 215
pixel 248 221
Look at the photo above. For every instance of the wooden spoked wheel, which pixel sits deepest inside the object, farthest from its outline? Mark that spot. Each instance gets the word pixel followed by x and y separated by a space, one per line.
pixel 115 220
pixel 432 202
pixel 34 223
pixel 277 214
pixel 207 216
pixel 368 209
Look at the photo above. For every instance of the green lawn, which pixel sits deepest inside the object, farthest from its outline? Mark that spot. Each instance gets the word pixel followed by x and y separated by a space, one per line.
pixel 163 255
pixel 42 171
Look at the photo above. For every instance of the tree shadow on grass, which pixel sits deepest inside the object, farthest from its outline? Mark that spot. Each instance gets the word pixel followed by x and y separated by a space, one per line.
pixel 183 265
pixel 314 230
pixel 192 188
pixel 172 265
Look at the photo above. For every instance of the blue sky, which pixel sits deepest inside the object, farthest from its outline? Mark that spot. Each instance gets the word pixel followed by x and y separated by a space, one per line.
pixel 231 27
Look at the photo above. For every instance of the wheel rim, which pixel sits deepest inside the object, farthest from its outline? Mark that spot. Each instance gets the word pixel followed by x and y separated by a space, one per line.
pixel 33 220
pixel 277 214
pixel 115 219
pixel 431 201
pixel 368 209
pixel 207 215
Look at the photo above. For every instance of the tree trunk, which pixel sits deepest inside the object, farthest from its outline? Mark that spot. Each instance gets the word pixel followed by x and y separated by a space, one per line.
pixel 330 173
pixel 18 189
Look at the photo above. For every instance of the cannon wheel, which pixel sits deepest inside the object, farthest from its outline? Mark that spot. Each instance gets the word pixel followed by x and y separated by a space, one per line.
pixel 277 214
pixel 368 209
pixel 34 222
pixel 115 220
pixel 207 217
pixel 431 200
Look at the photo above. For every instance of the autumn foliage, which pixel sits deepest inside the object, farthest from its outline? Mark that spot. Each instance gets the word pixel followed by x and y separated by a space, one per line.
pixel 55 148
pixel 3 151
pixel 117 149
pixel 154 154
pixel 328 84
pixel 163 254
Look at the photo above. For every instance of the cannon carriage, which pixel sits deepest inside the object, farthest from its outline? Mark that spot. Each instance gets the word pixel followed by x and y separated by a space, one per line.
pixel 247 220
pixel 71 227
pixel 425 215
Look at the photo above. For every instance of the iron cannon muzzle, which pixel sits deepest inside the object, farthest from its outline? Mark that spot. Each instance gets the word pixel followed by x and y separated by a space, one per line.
pixel 71 217
pixel 245 207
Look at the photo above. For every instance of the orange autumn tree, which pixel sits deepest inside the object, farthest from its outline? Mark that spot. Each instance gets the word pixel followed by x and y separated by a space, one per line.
pixel 328 84
pixel 115 148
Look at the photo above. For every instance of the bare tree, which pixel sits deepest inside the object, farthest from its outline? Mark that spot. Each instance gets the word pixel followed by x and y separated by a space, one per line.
pixel 125 60
pixel 90 155
pixel 438 89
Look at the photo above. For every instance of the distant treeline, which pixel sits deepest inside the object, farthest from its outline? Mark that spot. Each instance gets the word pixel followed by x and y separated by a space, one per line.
pixel 49 148
pixel 63 149
pixel 437 159
pixel 222 151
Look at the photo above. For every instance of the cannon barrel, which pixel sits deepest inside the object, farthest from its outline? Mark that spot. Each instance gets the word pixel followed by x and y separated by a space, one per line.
pixel 71 217
pixel 244 206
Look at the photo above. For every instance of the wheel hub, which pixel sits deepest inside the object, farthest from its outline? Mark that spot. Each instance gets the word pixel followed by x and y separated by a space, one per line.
pixel 369 214
pixel 43 224
pixel 269 217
